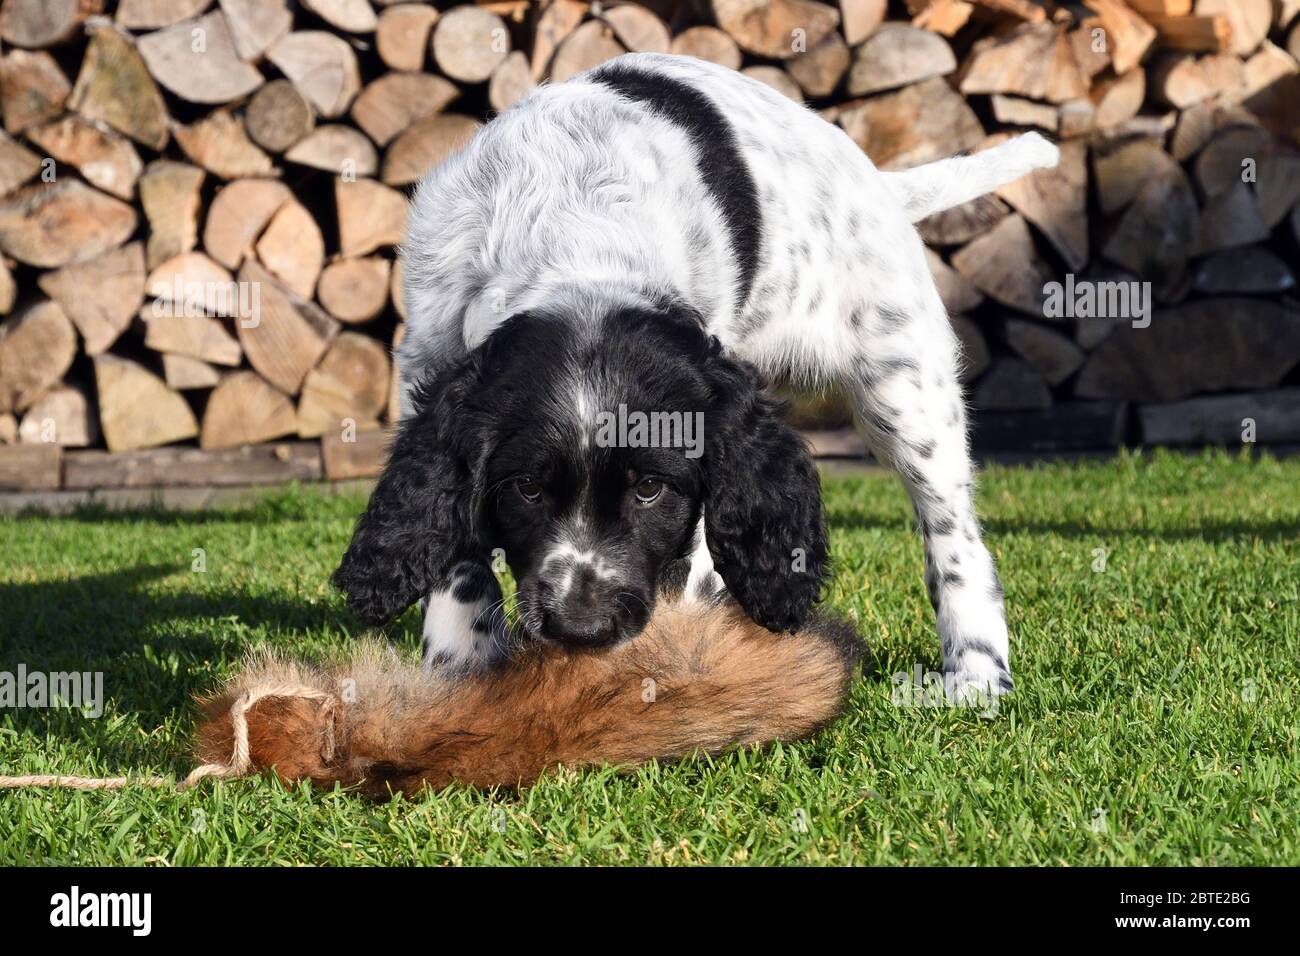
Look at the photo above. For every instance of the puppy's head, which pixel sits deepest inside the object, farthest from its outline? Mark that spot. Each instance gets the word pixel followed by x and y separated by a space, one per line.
pixel 585 454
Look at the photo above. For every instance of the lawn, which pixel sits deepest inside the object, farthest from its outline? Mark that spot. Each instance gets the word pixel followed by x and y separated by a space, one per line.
pixel 1154 615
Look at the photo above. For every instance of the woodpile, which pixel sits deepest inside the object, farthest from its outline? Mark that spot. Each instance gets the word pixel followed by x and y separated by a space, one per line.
pixel 200 202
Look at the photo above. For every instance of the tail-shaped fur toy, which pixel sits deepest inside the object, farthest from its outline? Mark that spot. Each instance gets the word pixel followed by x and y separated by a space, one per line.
pixel 699 678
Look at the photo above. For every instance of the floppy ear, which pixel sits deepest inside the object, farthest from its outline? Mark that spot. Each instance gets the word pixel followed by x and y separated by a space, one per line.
pixel 423 514
pixel 762 506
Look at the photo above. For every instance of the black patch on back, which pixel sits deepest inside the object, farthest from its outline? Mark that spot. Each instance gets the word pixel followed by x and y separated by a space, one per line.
pixel 722 168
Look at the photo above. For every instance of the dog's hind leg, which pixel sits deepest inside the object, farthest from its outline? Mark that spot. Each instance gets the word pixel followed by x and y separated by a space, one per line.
pixel 464 624
pixel 908 403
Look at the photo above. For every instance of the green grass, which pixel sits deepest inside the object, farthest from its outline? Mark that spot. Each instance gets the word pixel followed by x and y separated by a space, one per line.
pixel 1154 720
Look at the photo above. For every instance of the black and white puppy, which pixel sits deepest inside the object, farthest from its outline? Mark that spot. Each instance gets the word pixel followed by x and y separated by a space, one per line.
pixel 663 236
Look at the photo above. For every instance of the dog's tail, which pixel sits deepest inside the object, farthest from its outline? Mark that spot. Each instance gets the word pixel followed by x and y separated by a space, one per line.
pixel 699 678
pixel 950 182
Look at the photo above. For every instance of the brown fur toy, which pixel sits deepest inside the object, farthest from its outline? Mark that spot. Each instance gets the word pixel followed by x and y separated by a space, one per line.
pixel 697 679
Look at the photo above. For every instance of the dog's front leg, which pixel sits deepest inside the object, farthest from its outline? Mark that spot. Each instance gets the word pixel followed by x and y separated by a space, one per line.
pixel 465 622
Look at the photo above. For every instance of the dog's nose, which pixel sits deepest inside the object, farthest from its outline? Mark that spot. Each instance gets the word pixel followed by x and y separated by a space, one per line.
pixel 575 627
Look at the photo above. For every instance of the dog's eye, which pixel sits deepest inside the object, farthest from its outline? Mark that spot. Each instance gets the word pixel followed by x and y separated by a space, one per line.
pixel 528 489
pixel 648 489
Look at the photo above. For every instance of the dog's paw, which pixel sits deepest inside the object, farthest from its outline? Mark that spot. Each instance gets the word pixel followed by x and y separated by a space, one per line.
pixel 978 682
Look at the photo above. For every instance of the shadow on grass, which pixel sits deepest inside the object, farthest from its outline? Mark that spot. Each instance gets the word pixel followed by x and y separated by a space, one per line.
pixel 156 647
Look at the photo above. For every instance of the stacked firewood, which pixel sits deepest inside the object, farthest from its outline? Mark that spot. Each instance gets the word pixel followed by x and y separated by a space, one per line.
pixel 200 201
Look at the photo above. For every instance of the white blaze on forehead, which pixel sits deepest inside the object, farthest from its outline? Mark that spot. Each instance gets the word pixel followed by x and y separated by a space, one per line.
pixel 584 405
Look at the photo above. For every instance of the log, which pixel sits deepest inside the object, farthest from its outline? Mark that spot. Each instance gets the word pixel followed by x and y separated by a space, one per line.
pixel 237 217
pixel 1272 91
pixel 30 467
pixel 586 47
pixel 1222 163
pixel 169 193
pixel 860 18
pixel 182 372
pixel 62 416
pixel 292 248
pixel 707 43
pixel 37 347
pixel 137 409
pixel 278 116
pixel 18 164
pixel 1036 60
pixel 1092 56
pixel 276 463
pixel 944 17
pixel 1017 111
pixel 776 78
pixel 194 336
pixel 256 25
pixel 154 14
pixel 42 23
pixel 192 284
pixel 244 409
pixel 819 71
pixel 394 101
pixel 425 144
pixel 1230 218
pixel 1219 419
pixel 219 144
pixel 1051 354
pixel 52 224
pixel 1121 171
pixel 394 411
pixel 1207 345
pixel 778 29
pixel 347 391
pixel 917 124
pixel 1076 118
pixel 1211 34
pixel 1248 21
pixel 510 82
pixel 1005 266
pixel 322 66
pixel 1118 99
pixel 1056 201
pixel 354 290
pixel 1277 185
pixel 469 42
pixel 33 89
pixel 370 215
pixel 975 357
pixel 363 457
pixel 402 35
pixel 114 87
pixel 1128 35
pixel 637 28
pixel 396 293
pixel 1155 235
pixel 1253 270
pixel 897 55
pixel 197 61
pixel 957 292
pixel 8 288
pixel 1182 80
pixel 961 224
pixel 337 149
pixel 104 158
pixel 101 295
pixel 353 16
pixel 8 436
pixel 557 21
pixel 1065 427
pixel 1011 385
pixel 1162 8
pixel 282 340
